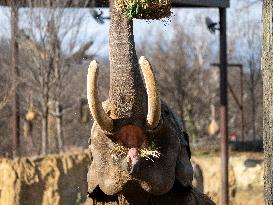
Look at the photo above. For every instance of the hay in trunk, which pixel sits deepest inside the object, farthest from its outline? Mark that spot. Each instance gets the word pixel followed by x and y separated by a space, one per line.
pixel 144 9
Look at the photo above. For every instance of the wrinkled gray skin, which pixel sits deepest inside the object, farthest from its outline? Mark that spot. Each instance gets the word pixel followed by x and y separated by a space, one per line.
pixel 155 177
pixel 129 103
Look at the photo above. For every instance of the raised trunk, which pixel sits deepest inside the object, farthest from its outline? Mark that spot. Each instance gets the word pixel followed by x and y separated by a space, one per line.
pixel 127 94
pixel 267 70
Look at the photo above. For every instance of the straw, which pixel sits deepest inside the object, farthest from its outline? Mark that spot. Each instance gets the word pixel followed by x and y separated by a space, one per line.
pixel 144 9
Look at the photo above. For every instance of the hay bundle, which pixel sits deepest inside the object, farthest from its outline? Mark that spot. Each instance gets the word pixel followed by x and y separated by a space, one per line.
pixel 30 115
pixel 144 9
pixel 213 128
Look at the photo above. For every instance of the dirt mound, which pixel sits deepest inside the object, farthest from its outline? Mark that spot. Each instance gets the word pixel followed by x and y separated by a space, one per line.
pixel 49 181
pixel 245 177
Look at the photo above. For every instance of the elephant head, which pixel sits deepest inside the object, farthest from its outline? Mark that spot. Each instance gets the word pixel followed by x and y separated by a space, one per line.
pixel 136 142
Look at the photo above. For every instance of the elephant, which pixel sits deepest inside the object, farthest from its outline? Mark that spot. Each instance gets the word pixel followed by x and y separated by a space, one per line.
pixel 141 154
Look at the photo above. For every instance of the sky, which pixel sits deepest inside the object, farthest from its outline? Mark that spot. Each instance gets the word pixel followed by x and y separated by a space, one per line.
pixel 194 19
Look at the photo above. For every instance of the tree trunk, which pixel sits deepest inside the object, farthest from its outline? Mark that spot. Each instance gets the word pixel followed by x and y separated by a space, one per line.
pixel 15 119
pixel 55 56
pixel 44 123
pixel 52 127
pixel 190 125
pixel 59 126
pixel 253 116
pixel 44 134
pixel 267 72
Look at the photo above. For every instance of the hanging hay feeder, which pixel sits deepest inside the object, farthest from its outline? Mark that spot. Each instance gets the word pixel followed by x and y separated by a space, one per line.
pixel 30 115
pixel 213 128
pixel 144 9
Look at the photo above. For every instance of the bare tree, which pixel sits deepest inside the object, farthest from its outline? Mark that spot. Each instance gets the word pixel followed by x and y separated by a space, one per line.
pixel 6 84
pixel 183 77
pixel 7 87
pixel 249 3
pixel 249 55
pixel 253 64
pixel 189 82
pixel 49 66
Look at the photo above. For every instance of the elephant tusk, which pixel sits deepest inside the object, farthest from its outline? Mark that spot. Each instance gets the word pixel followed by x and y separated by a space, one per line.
pixel 97 111
pixel 154 105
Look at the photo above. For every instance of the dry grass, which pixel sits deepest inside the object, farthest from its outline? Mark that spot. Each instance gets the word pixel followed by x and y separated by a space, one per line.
pixel 144 9
pixel 149 153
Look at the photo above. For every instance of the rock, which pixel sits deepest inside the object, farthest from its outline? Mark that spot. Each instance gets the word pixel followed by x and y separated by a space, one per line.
pixel 247 177
pixel 210 167
pixel 52 180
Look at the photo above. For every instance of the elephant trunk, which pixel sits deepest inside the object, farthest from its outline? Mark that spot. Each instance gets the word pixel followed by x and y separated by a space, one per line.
pixel 128 97
pixel 128 102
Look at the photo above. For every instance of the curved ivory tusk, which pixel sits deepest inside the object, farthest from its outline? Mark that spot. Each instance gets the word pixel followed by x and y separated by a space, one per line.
pixel 105 122
pixel 154 106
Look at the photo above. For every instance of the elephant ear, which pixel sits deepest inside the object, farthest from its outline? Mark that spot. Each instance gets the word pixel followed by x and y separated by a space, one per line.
pixel 184 170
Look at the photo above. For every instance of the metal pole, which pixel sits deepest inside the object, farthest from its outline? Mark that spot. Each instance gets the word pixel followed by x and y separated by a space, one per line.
pixel 223 108
pixel 242 104
pixel 14 69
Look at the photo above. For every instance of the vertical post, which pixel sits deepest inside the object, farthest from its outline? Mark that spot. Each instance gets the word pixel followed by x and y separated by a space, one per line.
pixel 223 108
pixel 14 69
pixel 242 104
pixel 267 70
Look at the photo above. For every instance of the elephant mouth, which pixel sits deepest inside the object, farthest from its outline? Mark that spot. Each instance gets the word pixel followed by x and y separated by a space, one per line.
pixel 131 136
pixel 133 139
pixel 132 144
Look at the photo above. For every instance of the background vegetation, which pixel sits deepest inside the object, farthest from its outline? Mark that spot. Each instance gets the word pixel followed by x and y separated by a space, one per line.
pixel 53 61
